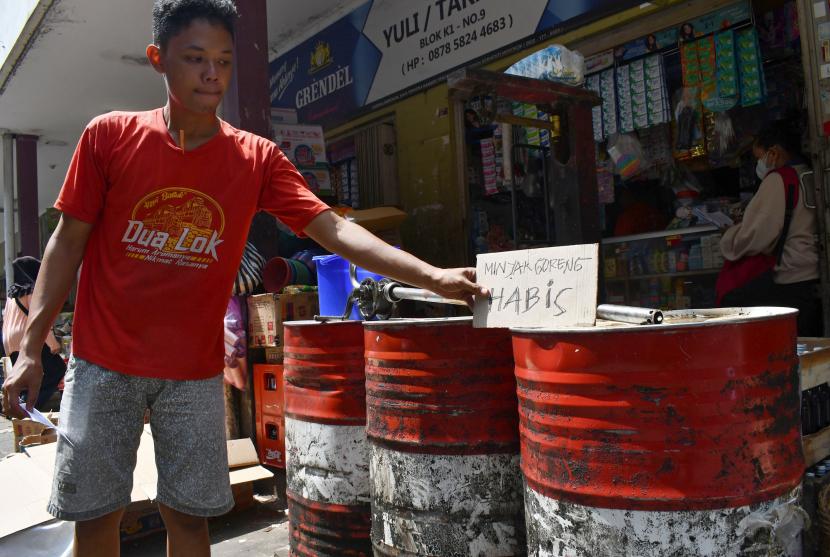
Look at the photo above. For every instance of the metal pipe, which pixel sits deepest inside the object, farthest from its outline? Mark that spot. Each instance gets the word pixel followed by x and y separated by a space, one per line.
pixel 398 293
pixel 8 208
pixel 546 160
pixel 353 275
pixel 628 314
pixel 514 206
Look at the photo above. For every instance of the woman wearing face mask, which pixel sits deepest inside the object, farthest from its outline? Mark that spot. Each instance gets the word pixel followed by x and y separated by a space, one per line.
pixel 788 237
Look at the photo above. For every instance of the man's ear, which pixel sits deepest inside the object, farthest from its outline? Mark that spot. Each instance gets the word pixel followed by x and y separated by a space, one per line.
pixel 154 56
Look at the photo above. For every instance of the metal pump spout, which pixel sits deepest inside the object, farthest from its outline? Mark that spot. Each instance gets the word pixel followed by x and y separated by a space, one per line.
pixel 378 299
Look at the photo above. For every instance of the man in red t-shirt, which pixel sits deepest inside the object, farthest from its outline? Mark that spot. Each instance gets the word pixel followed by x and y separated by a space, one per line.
pixel 157 205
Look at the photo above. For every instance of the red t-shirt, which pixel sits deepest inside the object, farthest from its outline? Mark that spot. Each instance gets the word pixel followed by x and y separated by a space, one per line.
pixel 169 230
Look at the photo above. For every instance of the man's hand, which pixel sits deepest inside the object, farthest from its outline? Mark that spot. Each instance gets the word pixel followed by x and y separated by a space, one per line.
pixel 26 376
pixel 362 248
pixel 458 284
pixel 57 272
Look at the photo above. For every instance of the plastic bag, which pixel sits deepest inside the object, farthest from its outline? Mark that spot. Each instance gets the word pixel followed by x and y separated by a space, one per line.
pixel 687 115
pixel 627 155
pixel 724 135
pixel 236 341
pixel 554 63
pixel 777 529
pixel 685 180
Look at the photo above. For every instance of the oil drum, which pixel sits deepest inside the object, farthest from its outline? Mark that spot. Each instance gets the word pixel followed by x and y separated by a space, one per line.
pixel 327 455
pixel 442 421
pixel 672 439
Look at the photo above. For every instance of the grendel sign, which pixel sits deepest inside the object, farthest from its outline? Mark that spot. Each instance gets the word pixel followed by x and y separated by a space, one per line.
pixel 386 49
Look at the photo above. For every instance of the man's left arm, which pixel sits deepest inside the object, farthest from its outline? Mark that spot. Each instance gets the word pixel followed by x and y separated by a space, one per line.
pixel 364 249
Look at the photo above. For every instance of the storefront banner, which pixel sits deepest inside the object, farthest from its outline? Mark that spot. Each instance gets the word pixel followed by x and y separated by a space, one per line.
pixel 689 31
pixel 386 47
pixel 724 18
pixel 328 75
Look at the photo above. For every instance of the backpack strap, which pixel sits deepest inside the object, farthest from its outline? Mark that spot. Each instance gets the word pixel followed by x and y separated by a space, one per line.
pixel 21 306
pixel 790 177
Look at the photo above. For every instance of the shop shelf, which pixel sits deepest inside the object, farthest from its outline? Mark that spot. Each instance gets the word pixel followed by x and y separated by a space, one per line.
pixel 815 364
pixel 680 232
pixel 816 446
pixel 696 273
pixel 814 367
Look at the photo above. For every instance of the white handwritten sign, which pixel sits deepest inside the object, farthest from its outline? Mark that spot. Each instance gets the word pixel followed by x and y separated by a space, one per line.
pixel 548 287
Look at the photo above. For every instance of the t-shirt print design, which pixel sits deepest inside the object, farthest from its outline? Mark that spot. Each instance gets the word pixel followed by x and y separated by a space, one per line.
pixel 175 226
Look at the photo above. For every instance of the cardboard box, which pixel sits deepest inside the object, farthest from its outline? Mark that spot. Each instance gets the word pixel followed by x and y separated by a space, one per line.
pixel 383 222
pixel 377 219
pixel 142 519
pixel 28 433
pixel 26 479
pixel 303 145
pixel 318 179
pixel 139 520
pixel 268 312
pixel 280 116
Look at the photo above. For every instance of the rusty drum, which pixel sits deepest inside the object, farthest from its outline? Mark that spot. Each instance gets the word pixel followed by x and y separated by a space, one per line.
pixel 442 422
pixel 675 439
pixel 327 457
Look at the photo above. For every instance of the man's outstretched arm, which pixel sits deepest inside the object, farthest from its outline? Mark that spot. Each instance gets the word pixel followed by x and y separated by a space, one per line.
pixel 364 249
pixel 63 256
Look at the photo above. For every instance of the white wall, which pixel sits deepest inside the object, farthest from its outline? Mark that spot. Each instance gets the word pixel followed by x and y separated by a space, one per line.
pixel 13 17
pixel 290 22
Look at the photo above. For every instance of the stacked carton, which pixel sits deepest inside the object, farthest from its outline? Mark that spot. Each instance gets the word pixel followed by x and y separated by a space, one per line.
pixel 266 315
pixel 305 146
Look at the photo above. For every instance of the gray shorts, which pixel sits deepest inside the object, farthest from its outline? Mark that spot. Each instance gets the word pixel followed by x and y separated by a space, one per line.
pixel 102 414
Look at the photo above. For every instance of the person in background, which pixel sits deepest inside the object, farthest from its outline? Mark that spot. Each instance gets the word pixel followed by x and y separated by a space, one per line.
pixel 795 278
pixel 687 33
pixel 15 316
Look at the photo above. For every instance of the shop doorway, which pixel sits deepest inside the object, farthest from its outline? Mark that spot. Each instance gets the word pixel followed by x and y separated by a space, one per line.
pixel 525 160
pixel 364 166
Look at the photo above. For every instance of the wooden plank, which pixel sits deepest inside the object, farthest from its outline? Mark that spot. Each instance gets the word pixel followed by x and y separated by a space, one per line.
pixel 547 287
pixel 526 122
pixel 459 139
pixel 470 82
pixel 241 453
pixel 816 446
pixel 815 364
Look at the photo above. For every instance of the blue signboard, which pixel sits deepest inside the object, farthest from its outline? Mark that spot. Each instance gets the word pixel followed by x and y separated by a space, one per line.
pixel 386 48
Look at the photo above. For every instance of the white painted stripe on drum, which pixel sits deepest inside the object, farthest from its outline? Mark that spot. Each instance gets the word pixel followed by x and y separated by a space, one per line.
pixel 447 505
pixel 327 463
pixel 561 529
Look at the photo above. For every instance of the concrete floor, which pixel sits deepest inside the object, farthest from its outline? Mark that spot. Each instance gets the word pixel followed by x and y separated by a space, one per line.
pixel 258 532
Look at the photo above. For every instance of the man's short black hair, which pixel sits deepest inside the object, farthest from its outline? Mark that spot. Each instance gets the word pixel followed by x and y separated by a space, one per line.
pixel 171 16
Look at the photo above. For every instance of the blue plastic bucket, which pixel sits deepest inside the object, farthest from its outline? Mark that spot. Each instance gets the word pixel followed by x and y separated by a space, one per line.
pixel 334 286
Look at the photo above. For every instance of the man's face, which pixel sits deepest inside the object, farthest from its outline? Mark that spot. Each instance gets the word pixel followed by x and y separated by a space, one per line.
pixel 197 64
